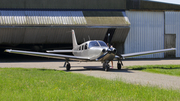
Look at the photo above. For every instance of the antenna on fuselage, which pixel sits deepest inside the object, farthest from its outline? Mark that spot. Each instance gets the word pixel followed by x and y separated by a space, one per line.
pixel 89 37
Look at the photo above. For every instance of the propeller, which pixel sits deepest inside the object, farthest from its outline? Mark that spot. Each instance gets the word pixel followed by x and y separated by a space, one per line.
pixel 120 57
pixel 101 56
pixel 105 52
pixel 108 40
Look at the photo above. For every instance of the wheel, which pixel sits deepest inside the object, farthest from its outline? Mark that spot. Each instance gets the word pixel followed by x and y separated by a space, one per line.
pixel 106 68
pixel 119 66
pixel 68 67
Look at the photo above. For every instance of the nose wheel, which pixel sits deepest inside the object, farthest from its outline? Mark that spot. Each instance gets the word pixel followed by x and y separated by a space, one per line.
pixel 106 66
pixel 118 66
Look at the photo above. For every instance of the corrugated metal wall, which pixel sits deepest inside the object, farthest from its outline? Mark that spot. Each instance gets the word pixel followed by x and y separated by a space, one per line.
pixel 172 26
pixel 50 27
pixel 106 18
pixel 62 18
pixel 120 35
pixel 10 17
pixel 146 33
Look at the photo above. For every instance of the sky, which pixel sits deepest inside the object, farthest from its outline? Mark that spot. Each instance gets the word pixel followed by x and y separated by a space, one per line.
pixel 177 2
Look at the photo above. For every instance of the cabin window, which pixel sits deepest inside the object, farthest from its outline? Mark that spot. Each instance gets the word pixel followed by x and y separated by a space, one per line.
pixel 80 48
pixel 93 44
pixel 102 43
pixel 85 46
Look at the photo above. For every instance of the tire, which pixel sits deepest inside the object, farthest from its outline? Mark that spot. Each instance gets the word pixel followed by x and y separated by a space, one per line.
pixel 107 68
pixel 68 67
pixel 119 66
pixel 104 66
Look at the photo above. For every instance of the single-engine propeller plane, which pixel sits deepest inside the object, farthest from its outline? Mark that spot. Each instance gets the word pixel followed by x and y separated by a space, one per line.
pixel 92 50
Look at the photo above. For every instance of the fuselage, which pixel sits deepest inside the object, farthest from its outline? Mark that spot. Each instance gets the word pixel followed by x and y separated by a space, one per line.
pixel 94 49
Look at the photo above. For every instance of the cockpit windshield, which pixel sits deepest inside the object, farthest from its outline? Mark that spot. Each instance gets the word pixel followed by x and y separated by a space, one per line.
pixel 97 44
pixel 93 44
pixel 103 44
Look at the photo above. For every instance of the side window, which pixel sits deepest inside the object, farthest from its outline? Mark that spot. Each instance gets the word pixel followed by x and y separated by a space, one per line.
pixel 85 46
pixel 82 47
pixel 79 47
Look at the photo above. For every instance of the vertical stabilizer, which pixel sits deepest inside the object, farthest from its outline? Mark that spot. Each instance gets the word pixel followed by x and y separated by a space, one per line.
pixel 74 39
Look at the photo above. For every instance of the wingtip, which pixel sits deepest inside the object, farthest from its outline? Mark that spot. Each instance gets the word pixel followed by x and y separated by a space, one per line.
pixel 8 50
pixel 173 48
pixel 72 31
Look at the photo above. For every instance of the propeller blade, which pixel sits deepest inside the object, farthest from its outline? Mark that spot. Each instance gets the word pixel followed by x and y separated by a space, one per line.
pixel 108 40
pixel 101 56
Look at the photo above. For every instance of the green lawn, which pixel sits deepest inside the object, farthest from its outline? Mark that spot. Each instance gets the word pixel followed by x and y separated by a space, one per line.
pixel 161 69
pixel 40 84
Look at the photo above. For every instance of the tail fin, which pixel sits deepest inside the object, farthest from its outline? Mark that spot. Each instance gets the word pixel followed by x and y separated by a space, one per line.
pixel 74 39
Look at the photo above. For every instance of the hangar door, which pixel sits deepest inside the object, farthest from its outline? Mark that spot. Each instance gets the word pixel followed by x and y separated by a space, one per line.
pixel 172 26
pixel 146 33
pixel 169 42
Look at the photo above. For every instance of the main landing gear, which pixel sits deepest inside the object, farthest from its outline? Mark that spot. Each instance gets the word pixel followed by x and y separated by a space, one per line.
pixel 119 64
pixel 68 65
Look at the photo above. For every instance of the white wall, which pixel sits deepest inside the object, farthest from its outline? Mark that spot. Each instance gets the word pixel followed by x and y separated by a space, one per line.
pixel 172 26
pixel 146 33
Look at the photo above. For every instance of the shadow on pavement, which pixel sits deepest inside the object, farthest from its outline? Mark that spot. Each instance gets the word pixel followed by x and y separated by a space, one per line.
pixel 98 68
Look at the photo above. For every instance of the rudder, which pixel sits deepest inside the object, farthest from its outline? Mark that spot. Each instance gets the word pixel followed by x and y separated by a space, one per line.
pixel 74 39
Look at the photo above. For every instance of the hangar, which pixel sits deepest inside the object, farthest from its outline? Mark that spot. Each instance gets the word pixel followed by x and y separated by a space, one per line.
pixel 135 25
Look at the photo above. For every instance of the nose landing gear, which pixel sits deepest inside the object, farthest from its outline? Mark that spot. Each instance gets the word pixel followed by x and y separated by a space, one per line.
pixel 106 66
pixel 119 66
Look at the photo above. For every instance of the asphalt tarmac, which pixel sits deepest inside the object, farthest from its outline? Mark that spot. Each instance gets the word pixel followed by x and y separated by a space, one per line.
pixel 95 69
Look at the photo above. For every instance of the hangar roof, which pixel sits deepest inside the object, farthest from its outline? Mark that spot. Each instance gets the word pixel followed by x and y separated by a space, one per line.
pixel 175 2
pixel 63 18
pixel 52 27
pixel 153 4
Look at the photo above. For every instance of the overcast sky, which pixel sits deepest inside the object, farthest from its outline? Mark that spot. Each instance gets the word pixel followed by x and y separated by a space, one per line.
pixel 177 2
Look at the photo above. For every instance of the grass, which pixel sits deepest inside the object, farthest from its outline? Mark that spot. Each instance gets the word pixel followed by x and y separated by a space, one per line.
pixel 41 84
pixel 161 69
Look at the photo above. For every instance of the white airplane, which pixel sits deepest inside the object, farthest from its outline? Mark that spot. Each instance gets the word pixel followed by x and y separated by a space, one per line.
pixel 92 50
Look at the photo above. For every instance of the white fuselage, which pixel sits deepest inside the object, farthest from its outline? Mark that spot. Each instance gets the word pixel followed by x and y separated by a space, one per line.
pixel 93 50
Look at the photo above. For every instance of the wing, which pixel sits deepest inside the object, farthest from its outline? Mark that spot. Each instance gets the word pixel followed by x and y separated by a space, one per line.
pixel 145 53
pixel 60 51
pixel 48 55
